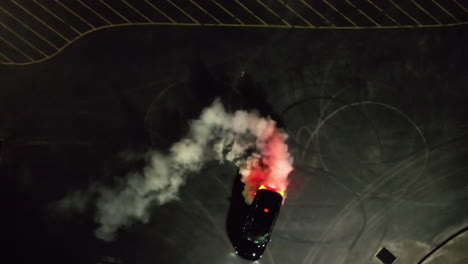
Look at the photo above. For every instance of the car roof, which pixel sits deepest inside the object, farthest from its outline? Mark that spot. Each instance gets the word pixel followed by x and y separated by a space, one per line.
pixel 260 221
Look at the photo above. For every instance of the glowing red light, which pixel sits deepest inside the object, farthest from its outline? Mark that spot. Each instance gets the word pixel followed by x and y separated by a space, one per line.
pixel 281 192
pixel 265 210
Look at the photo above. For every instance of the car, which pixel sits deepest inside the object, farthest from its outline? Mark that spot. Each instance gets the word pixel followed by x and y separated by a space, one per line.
pixel 258 226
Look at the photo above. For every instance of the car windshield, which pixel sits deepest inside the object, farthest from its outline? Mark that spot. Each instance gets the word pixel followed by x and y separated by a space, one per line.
pixel 263 214
pixel 260 239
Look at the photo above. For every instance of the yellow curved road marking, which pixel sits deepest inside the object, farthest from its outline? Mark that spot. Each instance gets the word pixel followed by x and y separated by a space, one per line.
pixel 6 59
pixel 218 25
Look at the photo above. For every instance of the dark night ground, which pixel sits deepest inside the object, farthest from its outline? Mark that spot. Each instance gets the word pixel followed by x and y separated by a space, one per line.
pixel 373 178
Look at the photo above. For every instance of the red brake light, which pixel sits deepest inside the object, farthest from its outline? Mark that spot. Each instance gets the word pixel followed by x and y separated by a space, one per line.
pixel 265 210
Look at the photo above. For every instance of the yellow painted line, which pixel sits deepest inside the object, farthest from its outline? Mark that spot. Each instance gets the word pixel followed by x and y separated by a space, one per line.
pixel 115 11
pixel 75 14
pixel 248 10
pixel 24 40
pixel 206 12
pixel 233 25
pixel 94 12
pixel 327 27
pixel 297 14
pixel 4 56
pixel 383 12
pixel 30 29
pixel 363 13
pixel 404 12
pixel 54 15
pixel 40 20
pixel 136 10
pixel 185 13
pixel 445 10
pixel 425 11
pixel 317 12
pixel 274 13
pixel 227 11
pixel 339 12
pixel 46 9
pixel 461 6
pixel 14 47
pixel 161 12
pixel 74 29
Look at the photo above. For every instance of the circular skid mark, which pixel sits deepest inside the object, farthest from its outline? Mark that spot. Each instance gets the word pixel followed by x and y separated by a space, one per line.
pixel 380 182
pixel 377 183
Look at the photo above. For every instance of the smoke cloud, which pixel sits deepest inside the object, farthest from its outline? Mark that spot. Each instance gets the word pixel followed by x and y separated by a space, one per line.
pixel 252 142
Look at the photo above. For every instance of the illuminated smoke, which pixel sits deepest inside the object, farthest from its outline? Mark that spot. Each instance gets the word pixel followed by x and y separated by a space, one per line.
pixel 271 167
pixel 269 164
pixel 242 138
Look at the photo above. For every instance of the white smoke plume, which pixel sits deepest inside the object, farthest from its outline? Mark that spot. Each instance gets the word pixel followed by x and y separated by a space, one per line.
pixel 253 143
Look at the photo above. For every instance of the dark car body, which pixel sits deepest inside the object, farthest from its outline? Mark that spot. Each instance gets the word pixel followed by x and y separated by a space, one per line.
pixel 259 224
